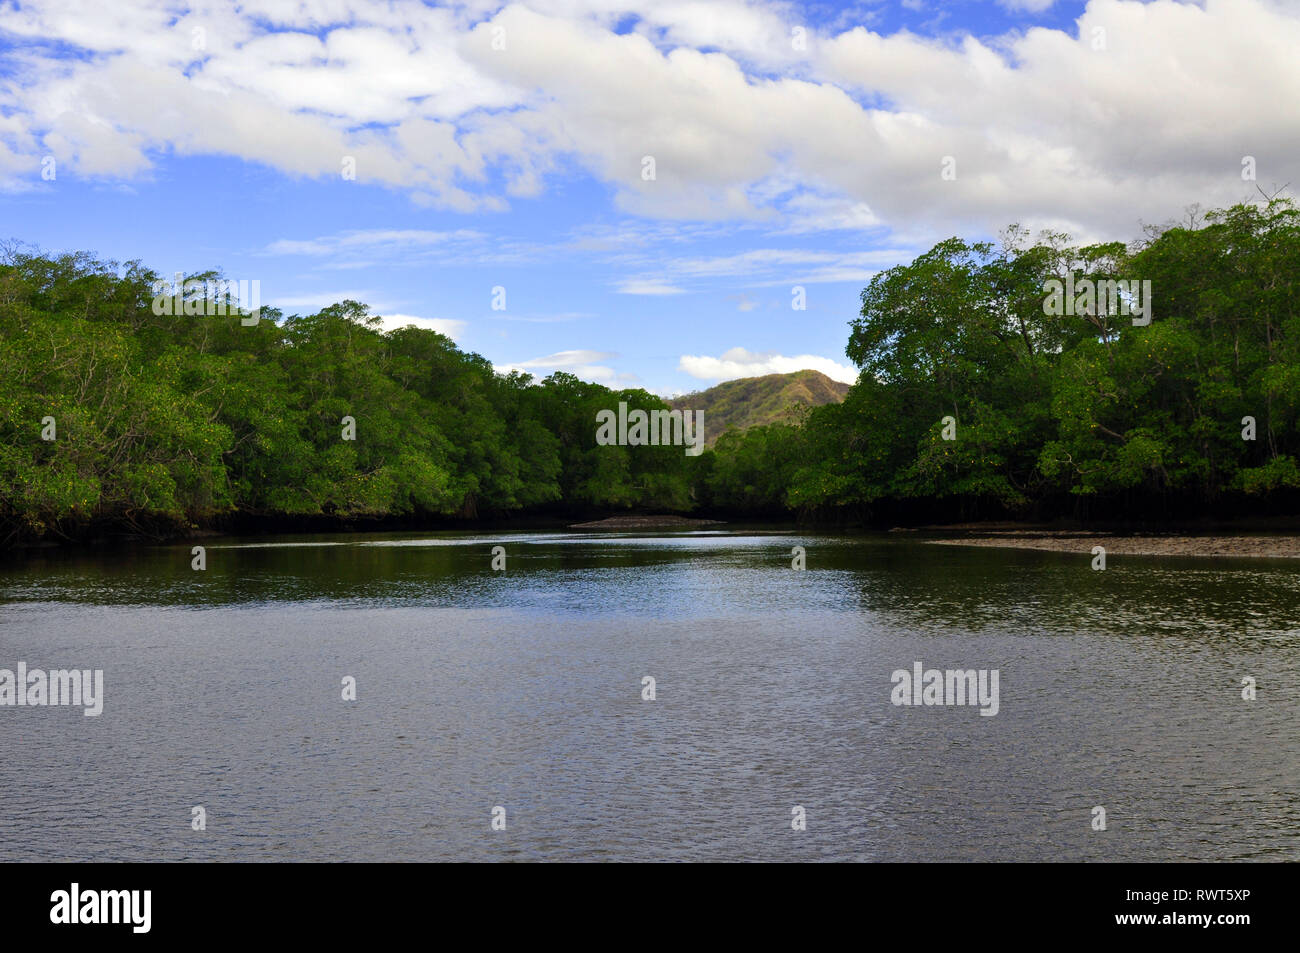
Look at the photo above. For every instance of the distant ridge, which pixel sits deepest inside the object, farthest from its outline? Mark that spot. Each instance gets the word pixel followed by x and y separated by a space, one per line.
pixel 754 401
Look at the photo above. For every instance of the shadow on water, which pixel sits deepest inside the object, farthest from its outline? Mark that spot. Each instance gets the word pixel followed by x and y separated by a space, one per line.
pixel 908 582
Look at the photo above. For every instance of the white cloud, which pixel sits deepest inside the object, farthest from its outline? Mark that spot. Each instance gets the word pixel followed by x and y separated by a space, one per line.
pixel 374 241
pixel 647 286
pixel 1027 6
pixel 448 326
pixel 314 301
pixel 787 264
pixel 580 363
pixel 767 267
pixel 1042 125
pixel 739 362
pixel 564 359
pixel 818 213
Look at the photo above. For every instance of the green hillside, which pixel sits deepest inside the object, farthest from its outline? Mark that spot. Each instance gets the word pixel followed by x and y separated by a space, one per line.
pixel 752 401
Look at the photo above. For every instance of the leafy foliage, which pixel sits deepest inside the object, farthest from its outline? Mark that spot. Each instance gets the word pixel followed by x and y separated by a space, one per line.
pixel 179 419
pixel 173 420
pixel 1052 407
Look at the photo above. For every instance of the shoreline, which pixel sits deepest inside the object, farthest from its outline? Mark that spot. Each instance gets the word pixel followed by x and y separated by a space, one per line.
pixel 1276 538
pixel 665 521
pixel 1279 546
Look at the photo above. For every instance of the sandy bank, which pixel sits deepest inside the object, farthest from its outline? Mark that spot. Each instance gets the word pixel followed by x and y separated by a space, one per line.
pixel 1151 545
pixel 645 522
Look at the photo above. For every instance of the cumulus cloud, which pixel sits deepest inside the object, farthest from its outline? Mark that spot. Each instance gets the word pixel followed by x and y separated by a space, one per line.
pixel 1136 110
pixel 739 362
pixel 808 212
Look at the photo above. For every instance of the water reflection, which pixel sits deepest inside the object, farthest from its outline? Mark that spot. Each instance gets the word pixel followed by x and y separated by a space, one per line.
pixel 1119 688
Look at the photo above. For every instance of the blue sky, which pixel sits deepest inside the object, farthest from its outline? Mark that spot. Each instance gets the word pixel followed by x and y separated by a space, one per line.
pixel 504 146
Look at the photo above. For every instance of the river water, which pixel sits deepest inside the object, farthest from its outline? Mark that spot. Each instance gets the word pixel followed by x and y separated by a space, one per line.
pixel 523 689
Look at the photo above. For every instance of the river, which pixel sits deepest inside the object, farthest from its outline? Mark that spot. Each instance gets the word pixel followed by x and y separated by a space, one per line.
pixel 524 689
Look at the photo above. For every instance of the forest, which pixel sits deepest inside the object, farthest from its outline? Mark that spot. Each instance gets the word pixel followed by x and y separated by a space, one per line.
pixel 975 400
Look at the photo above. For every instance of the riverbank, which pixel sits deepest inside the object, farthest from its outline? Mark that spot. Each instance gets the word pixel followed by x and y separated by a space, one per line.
pixel 1152 544
pixel 646 522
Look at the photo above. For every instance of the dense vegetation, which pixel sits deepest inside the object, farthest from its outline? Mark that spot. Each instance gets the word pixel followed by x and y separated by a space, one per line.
pixel 1074 414
pixel 165 422
pixel 755 401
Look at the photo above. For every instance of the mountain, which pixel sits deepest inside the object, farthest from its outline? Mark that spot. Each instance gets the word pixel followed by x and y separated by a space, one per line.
pixel 751 401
